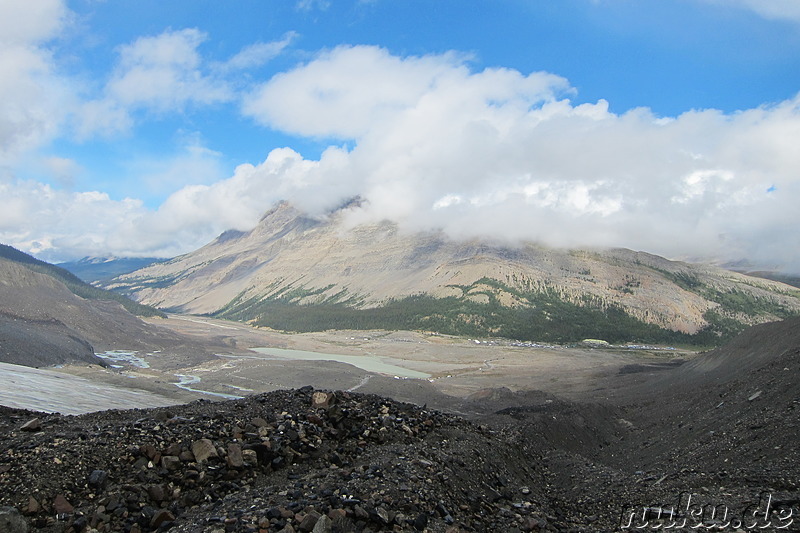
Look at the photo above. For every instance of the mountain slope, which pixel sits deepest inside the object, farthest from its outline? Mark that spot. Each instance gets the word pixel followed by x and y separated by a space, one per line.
pixel 299 273
pixel 32 332
pixel 43 323
pixel 73 283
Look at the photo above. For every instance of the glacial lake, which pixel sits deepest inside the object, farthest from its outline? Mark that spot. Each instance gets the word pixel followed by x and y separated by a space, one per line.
pixel 370 363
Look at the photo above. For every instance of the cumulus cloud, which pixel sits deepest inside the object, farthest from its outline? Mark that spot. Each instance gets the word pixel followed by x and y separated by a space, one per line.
pixel 57 224
pixel 163 73
pixel 500 154
pixel 346 91
pixel 63 170
pixel 32 96
pixel 24 23
pixel 46 221
pixel 431 143
pixel 166 73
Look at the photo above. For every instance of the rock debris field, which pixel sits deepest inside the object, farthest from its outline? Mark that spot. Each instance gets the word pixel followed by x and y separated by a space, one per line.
pixel 299 460
pixel 710 445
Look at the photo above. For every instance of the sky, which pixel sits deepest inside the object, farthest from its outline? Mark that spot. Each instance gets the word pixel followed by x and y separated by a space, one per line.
pixel 145 128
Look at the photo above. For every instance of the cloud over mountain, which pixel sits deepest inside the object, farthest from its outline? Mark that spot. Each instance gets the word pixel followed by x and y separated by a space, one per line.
pixel 499 153
pixel 428 141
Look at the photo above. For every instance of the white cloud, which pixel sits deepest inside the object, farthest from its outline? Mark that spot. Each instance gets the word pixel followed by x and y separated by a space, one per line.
pixel 769 9
pixel 46 221
pixel 161 74
pixel 164 73
pixel 63 170
pixel 308 5
pixel 25 23
pixel 33 98
pixel 348 90
pixel 191 163
pixel 257 54
pixel 498 153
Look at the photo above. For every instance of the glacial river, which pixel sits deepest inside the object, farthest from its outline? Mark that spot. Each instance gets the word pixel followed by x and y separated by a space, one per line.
pixel 370 363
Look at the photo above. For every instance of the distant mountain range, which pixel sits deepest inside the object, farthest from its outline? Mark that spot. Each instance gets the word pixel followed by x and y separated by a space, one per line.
pixel 92 269
pixel 298 273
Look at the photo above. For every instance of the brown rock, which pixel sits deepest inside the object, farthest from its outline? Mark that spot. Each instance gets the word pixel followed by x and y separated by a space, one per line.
pixel 149 450
pixel 186 456
pixel 173 449
pixel 160 517
pixel 309 521
pixel 157 492
pixel 259 422
pixel 235 458
pixel 33 505
pixel 62 506
pixel 530 524
pixel 203 449
pixel 337 514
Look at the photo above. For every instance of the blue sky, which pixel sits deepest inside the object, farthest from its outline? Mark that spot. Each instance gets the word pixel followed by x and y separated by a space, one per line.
pixel 146 128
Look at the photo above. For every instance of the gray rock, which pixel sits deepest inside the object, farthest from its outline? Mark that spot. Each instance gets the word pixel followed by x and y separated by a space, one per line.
pixel 32 425
pixel 98 479
pixel 11 521
pixel 323 525
pixel 203 450
pixel 170 462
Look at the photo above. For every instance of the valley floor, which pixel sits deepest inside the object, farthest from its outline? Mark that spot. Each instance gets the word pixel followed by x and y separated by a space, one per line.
pixel 454 368
pixel 555 438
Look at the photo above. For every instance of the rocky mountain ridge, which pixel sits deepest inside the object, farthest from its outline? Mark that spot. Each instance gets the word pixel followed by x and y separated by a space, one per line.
pixel 292 260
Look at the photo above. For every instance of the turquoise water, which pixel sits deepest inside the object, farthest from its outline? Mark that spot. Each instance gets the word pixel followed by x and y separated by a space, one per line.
pixel 370 363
